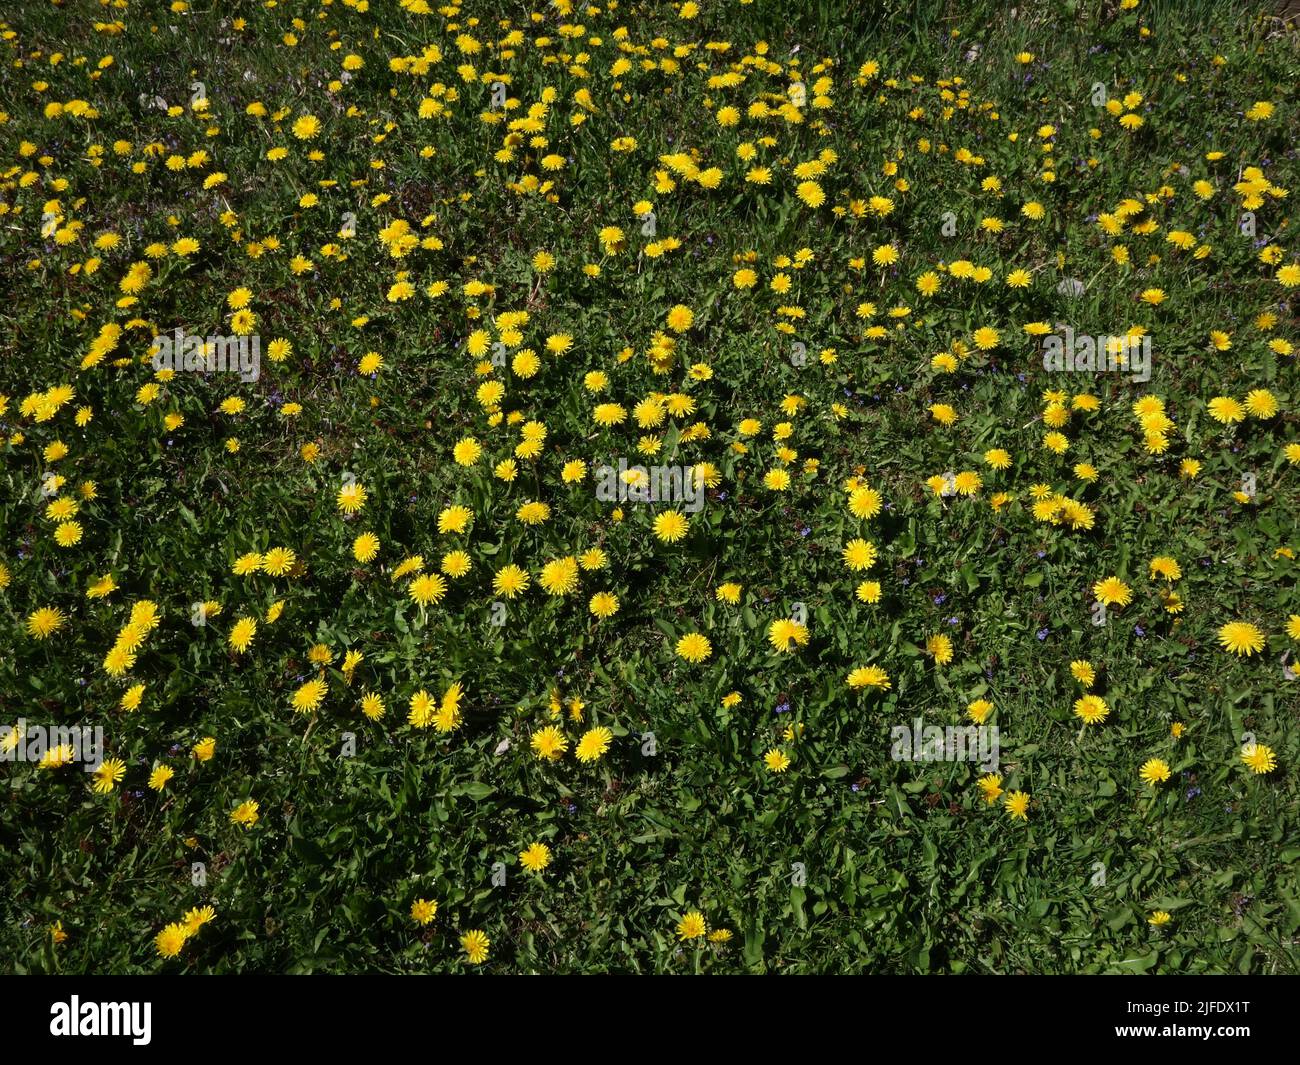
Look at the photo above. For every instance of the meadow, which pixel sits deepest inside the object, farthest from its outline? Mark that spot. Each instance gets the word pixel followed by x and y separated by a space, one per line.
pixel 705 487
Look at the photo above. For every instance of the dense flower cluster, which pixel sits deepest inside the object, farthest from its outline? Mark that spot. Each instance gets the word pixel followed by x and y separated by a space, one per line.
pixel 567 405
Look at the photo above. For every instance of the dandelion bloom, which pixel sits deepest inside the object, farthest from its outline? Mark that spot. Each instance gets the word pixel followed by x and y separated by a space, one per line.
pixel 859 554
pixel 421 710
pixel 549 743
pixel 1259 758
pixel 603 605
pixel 671 526
pixel 680 318
pixel 475 944
pixel 869 677
pixel 279 561
pixel 811 193
pixel 1091 709
pixel 990 785
pixel 593 745
pixel 1017 805
pixel 1112 592
pixel 1226 410
pixel 510 580
pixel 1083 672
pixel 352 498
pixel 1241 638
pixel 940 647
pixel 785 634
pixel 45 622
pixel 776 760
pixel 241 635
pixel 170 940
pixel 694 647
pixel 428 588
pixel 865 502
pixel 868 592
pixel 692 925
pixel 559 577
pixel 365 547
pixel 108 775
pixel 467 451
pixel 309 697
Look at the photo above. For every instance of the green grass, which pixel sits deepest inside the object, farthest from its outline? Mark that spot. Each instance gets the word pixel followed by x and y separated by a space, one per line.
pixel 849 860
